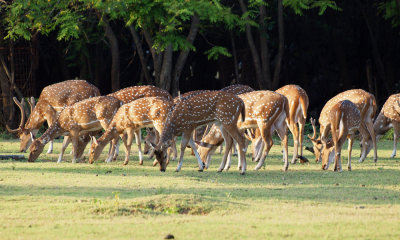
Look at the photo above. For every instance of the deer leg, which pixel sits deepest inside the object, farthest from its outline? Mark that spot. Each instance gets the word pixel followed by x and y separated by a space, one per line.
pixel 295 132
pixel 138 138
pixel 364 137
pixel 301 134
pixel 338 143
pixel 193 146
pixel 239 138
pixel 349 148
pixel 184 143
pixel 116 148
pixel 229 161
pixel 174 151
pixel 75 141
pixel 281 129
pixel 113 146
pixel 128 145
pixel 50 150
pixel 395 139
pixel 258 149
pixel 370 127
pixel 265 130
pixel 221 147
pixel 64 146
pixel 228 142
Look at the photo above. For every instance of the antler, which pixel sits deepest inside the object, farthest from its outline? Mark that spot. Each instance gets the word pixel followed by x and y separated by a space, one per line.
pixel 312 120
pixel 21 124
pixel 32 103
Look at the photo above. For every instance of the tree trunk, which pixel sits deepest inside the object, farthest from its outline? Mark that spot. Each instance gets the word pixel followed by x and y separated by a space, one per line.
pixel 112 39
pixel 235 60
pixel 5 93
pixel 157 57
pixel 375 51
pixel 279 57
pixel 165 76
pixel 180 63
pixel 265 64
pixel 139 49
pixel 253 50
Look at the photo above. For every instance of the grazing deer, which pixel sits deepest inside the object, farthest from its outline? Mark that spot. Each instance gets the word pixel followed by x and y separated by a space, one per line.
pixel 90 115
pixel 210 107
pixel 233 89
pixel 366 104
pixel 389 117
pixel 133 93
pixel 141 113
pixel 343 120
pixel 265 110
pixel 52 100
pixel 298 105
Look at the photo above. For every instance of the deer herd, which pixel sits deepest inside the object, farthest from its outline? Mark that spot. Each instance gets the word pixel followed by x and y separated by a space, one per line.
pixel 236 115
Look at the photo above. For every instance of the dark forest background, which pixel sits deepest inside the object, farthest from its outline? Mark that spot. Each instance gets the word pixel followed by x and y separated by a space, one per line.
pixel 324 46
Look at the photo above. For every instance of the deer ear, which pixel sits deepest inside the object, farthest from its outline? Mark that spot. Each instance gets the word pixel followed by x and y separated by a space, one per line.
pixel 152 145
pixel 94 140
pixel 310 149
pixel 32 136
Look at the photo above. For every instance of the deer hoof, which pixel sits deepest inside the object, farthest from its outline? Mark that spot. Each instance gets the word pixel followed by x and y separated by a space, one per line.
pixel 140 163
pixel 200 170
pixel 242 173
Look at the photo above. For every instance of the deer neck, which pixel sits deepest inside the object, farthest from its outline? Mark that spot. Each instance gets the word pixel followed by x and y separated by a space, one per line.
pixel 108 135
pixel 42 112
pixel 52 132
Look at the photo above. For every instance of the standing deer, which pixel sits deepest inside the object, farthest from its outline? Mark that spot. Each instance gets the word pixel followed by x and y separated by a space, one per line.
pixel 90 115
pixel 141 113
pixel 53 99
pixel 298 105
pixel 219 107
pixel 265 110
pixel 343 120
pixel 366 104
pixel 388 117
pixel 133 93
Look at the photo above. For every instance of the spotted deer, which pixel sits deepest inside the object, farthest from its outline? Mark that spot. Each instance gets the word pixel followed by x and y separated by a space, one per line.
pixel 266 111
pixel 90 115
pixel 217 107
pixel 343 120
pixel 141 113
pixel 298 105
pixel 129 94
pixel 52 100
pixel 235 89
pixel 153 136
pixel 366 104
pixel 389 117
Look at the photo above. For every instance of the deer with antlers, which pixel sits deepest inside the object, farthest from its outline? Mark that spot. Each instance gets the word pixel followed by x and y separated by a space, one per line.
pixel 90 115
pixel 389 117
pixel 365 103
pixel 266 111
pixel 217 107
pixel 133 93
pixel 141 113
pixel 343 119
pixel 52 100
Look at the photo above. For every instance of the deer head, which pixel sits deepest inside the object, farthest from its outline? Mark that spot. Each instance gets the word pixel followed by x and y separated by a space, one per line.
pixel 317 143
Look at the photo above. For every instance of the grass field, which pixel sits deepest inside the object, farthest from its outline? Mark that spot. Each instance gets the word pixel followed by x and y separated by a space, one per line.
pixel 46 200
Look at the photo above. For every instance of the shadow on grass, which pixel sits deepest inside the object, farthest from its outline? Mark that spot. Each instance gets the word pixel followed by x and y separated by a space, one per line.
pixel 328 194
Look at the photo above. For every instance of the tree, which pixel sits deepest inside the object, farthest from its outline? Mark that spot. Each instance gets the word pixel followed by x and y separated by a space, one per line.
pixel 262 55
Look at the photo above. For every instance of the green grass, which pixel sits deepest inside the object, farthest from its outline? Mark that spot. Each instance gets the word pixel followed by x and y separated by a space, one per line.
pixel 46 200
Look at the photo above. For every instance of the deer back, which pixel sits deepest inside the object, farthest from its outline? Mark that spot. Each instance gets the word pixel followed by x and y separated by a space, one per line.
pixel 130 94
pixel 141 113
pixel 297 98
pixel 363 100
pixel 391 108
pixel 208 107
pixel 90 114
